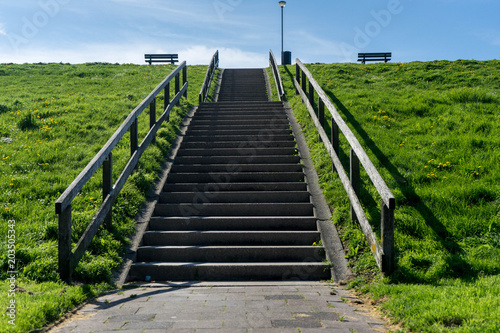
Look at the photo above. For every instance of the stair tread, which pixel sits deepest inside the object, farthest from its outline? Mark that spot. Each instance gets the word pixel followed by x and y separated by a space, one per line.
pixel 235 204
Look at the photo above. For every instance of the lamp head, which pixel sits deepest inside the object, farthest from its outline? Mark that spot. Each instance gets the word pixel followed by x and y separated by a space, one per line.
pixel 282 4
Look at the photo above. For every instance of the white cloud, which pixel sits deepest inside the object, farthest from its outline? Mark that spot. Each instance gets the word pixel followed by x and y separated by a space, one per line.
pixel 2 30
pixel 134 53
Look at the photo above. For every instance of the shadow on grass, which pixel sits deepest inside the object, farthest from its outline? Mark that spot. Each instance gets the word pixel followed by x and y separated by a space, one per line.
pixel 458 267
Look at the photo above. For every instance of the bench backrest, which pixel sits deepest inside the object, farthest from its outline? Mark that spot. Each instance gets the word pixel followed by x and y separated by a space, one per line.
pixel 380 56
pixel 172 58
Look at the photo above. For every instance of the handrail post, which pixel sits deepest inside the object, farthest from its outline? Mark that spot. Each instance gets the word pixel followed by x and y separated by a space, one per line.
pixel 335 138
pixel 387 237
pixel 311 94
pixel 64 244
pixel 166 99
pixel 107 185
pixel 321 115
pixel 304 82
pixel 355 179
pixel 152 116
pixel 297 77
pixel 134 137
pixel 177 84
pixel 184 80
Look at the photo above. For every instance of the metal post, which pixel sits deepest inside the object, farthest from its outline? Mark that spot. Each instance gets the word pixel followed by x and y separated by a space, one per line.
pixel 282 49
pixel 282 5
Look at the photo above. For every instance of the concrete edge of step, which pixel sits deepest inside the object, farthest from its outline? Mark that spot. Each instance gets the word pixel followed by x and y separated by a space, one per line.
pixel 329 235
pixel 152 198
pixel 268 85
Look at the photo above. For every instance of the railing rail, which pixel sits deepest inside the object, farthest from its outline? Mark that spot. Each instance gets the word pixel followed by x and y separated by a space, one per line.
pixel 69 259
pixel 205 89
pixel 383 251
pixel 277 76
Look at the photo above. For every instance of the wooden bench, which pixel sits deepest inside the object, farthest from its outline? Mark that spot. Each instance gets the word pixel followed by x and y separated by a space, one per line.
pixel 383 56
pixel 171 58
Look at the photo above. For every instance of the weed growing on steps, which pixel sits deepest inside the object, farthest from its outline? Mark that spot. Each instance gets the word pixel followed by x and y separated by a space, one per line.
pixel 53 119
pixel 432 131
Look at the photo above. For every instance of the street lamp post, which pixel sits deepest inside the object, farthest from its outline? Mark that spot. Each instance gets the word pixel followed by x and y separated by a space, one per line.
pixel 282 5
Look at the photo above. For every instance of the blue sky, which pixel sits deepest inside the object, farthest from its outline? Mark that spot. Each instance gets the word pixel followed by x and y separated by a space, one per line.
pixel 122 31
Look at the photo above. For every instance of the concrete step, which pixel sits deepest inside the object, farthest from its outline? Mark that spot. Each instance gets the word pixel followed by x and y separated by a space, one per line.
pixel 229 253
pixel 206 271
pixel 206 115
pixel 238 144
pixel 232 177
pixel 239 151
pixel 230 238
pixel 234 159
pixel 219 223
pixel 248 105
pixel 250 132
pixel 235 209
pixel 235 205
pixel 238 138
pixel 247 127
pixel 237 167
pixel 224 187
pixel 239 120
pixel 235 197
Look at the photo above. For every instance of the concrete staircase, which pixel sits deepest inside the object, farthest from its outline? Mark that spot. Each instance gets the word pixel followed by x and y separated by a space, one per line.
pixel 235 205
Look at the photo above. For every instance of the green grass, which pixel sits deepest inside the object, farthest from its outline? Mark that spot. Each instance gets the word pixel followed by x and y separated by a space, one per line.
pixel 432 130
pixel 53 119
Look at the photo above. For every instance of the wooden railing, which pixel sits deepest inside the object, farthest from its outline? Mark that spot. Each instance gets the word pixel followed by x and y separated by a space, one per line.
pixel 277 76
pixel 69 259
pixel 383 251
pixel 205 89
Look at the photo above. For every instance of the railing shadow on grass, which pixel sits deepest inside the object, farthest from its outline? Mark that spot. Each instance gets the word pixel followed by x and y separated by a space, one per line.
pixel 454 260
pixel 458 266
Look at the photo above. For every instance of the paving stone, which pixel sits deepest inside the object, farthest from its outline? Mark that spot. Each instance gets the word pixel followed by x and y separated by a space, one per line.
pixel 273 330
pixel 252 307
pixel 130 318
pixel 284 297
pixel 148 324
pixel 296 323
pixel 198 324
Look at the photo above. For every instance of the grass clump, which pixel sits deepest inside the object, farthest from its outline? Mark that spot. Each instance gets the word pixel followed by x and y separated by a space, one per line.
pixel 431 129
pixel 54 118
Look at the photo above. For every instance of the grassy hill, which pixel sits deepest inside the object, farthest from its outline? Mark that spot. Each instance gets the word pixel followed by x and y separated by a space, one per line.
pixel 53 119
pixel 432 129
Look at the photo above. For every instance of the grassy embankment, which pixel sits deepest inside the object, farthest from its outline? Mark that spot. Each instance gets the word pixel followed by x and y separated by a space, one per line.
pixel 432 129
pixel 53 119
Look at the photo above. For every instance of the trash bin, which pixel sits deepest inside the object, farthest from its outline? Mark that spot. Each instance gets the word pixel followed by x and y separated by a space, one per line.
pixel 287 58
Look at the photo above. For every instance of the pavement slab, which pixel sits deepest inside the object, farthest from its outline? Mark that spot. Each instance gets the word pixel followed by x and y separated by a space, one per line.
pixel 248 307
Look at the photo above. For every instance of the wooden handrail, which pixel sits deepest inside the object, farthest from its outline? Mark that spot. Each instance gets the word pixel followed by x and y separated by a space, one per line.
pixel 277 76
pixel 68 259
pixel 383 251
pixel 205 89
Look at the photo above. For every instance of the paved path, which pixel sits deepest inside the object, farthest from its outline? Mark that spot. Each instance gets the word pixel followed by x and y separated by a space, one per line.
pixel 298 307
